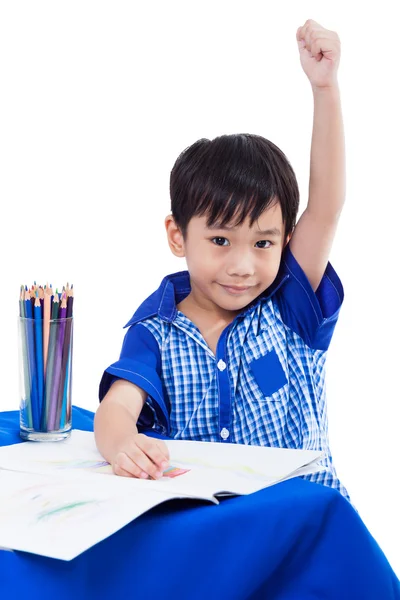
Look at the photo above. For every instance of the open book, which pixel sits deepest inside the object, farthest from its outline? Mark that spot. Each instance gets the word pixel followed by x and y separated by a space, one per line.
pixel 49 491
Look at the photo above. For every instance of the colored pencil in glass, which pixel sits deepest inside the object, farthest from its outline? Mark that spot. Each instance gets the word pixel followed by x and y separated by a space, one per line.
pixel 30 338
pixel 66 391
pixel 70 301
pixel 51 299
pixel 39 354
pixel 21 302
pixel 70 305
pixel 61 401
pixel 46 325
pixel 28 305
pixel 41 297
pixel 56 374
pixel 25 361
pixel 50 360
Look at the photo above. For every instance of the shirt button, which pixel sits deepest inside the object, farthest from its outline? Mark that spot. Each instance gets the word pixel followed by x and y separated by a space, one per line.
pixel 224 433
pixel 221 365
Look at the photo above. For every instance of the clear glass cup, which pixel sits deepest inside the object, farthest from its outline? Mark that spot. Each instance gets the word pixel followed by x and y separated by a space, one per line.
pixel 45 368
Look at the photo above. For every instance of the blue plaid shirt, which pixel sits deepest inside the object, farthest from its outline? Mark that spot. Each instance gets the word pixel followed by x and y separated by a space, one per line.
pixel 266 384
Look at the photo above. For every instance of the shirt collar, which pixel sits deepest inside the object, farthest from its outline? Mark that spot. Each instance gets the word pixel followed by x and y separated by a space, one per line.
pixel 176 286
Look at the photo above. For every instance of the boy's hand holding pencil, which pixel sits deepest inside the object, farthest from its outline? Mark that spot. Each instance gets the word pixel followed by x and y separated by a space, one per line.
pixel 142 457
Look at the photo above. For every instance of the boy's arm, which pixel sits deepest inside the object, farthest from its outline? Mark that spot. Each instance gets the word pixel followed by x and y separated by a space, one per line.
pixel 116 416
pixel 117 437
pixel 314 233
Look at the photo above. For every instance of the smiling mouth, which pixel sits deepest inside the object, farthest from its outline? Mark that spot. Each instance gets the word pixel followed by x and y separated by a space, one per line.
pixel 236 289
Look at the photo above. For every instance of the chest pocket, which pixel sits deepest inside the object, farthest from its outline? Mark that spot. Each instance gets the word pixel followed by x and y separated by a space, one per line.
pixel 269 373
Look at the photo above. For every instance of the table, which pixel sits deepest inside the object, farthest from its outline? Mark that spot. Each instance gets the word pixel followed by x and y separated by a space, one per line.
pixel 296 540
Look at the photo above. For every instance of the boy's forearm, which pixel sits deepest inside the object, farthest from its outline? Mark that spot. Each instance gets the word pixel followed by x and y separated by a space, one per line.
pixel 327 187
pixel 116 418
pixel 112 424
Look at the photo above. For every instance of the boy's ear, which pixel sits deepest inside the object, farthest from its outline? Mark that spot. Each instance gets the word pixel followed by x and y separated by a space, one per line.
pixel 175 237
pixel 289 235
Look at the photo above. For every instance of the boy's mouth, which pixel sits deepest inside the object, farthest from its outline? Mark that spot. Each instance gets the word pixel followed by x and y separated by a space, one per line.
pixel 233 289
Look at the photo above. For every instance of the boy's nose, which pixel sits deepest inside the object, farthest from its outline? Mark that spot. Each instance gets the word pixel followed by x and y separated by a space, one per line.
pixel 240 266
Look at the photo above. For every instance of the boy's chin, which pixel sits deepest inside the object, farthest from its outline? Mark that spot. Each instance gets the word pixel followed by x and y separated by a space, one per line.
pixel 234 302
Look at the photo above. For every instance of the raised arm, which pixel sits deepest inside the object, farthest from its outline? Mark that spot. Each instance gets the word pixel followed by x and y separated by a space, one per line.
pixel 313 236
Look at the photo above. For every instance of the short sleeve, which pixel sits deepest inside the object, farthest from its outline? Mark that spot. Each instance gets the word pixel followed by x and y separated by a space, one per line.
pixel 312 315
pixel 140 363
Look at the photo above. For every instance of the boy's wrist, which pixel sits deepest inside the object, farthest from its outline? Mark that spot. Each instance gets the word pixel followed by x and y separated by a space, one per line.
pixel 326 90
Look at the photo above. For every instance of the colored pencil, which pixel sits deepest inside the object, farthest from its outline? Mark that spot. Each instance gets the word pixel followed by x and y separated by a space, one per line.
pixel 30 337
pixel 21 302
pixel 46 325
pixel 65 407
pixel 70 304
pixel 61 399
pixel 70 301
pixel 50 361
pixel 26 391
pixel 56 374
pixel 39 354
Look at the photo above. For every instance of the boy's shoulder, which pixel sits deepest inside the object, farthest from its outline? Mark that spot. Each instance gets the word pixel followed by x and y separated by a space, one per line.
pixel 310 314
pixel 162 302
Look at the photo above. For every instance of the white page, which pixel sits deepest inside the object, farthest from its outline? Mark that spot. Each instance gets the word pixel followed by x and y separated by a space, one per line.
pixel 211 467
pixel 43 514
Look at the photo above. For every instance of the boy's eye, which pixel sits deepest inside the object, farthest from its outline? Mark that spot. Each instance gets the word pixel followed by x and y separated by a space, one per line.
pixel 265 244
pixel 219 241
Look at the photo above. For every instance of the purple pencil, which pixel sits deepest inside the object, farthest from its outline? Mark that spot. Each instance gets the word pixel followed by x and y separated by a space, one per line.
pixel 55 380
pixel 64 360
pixel 70 303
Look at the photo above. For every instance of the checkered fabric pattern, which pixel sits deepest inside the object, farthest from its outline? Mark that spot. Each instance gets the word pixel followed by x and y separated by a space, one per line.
pixel 265 385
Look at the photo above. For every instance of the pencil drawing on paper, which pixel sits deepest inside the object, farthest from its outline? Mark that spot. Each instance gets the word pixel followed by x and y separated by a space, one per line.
pixel 51 502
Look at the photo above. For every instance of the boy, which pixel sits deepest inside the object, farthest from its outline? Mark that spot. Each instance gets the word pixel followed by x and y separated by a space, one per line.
pixel 234 349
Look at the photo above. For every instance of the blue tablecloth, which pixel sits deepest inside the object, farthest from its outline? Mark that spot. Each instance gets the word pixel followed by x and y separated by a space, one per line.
pixel 293 541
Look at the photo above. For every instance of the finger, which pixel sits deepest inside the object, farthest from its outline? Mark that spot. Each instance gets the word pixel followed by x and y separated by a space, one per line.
pixel 313 42
pixel 324 47
pixel 311 24
pixel 142 460
pixel 125 467
pixel 164 448
pixel 153 450
pixel 315 48
pixel 312 29
pixel 139 450
pixel 303 31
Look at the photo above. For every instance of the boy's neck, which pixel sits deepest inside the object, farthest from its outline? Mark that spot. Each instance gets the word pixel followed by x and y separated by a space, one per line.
pixel 196 312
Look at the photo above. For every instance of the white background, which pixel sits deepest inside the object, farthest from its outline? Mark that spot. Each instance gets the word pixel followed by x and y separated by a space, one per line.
pixel 96 102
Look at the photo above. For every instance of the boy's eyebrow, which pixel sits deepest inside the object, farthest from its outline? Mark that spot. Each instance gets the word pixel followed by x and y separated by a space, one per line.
pixel 274 231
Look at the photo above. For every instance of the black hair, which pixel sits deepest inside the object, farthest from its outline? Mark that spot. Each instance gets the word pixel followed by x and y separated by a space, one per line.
pixel 239 174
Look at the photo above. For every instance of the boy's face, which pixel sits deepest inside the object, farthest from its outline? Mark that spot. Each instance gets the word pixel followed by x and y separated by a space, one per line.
pixel 230 267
